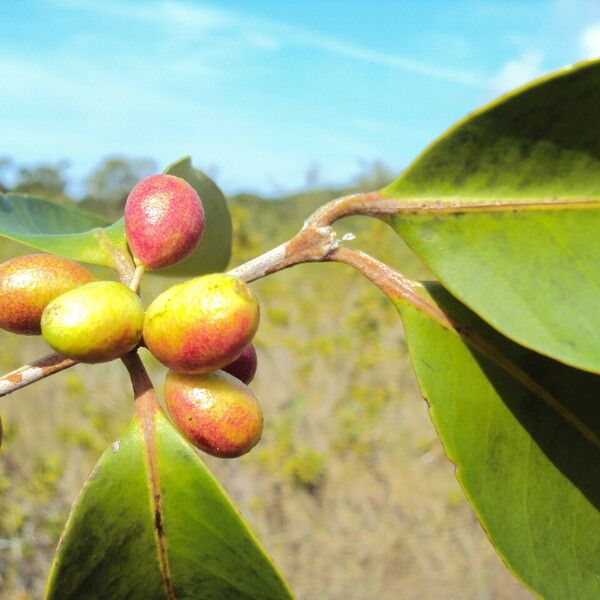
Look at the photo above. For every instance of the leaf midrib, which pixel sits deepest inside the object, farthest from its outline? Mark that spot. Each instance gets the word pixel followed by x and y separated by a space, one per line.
pixel 146 412
pixel 417 205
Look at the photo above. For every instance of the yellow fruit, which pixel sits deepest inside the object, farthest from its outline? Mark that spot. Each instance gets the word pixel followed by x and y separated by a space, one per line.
pixel 96 322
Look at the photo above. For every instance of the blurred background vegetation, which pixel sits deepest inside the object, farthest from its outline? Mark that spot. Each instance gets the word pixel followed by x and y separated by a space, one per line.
pixel 349 489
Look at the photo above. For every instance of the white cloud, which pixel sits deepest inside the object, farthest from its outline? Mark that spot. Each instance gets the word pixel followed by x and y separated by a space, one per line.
pixel 589 41
pixel 517 72
pixel 264 42
pixel 162 12
pixel 394 61
pixel 189 20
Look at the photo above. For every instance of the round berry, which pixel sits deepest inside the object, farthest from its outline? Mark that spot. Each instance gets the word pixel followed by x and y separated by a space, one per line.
pixel 216 412
pixel 28 283
pixel 244 366
pixel 202 324
pixel 96 322
pixel 164 221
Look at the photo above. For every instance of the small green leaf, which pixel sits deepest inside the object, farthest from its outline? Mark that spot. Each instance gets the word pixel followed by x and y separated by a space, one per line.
pixel 57 229
pixel 524 433
pixel 214 251
pixel 152 522
pixel 504 208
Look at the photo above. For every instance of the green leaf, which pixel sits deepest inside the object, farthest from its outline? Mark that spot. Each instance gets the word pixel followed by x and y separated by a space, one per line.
pixel 152 522
pixel 214 251
pixel 57 229
pixel 504 209
pixel 524 433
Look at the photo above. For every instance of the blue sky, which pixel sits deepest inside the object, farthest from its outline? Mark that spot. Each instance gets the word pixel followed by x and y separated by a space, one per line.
pixel 259 91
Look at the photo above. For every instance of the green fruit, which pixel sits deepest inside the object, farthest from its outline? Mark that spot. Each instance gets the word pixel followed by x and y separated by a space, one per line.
pixel 203 324
pixel 216 412
pixel 28 283
pixel 93 323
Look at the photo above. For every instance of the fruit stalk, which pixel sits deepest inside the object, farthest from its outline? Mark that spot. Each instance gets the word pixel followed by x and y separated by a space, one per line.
pixel 143 390
pixel 134 282
pixel 120 261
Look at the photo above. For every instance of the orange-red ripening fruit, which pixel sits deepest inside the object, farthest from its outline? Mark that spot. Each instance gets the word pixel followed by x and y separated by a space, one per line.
pixel 202 324
pixel 29 283
pixel 244 366
pixel 164 220
pixel 215 411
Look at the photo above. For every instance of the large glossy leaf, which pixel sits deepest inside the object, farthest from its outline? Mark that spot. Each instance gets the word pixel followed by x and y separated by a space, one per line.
pixel 214 250
pixel 57 229
pixel 151 522
pixel 523 431
pixel 504 208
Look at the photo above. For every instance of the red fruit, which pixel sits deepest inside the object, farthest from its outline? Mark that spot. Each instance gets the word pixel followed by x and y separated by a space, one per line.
pixel 215 411
pixel 164 221
pixel 29 283
pixel 244 367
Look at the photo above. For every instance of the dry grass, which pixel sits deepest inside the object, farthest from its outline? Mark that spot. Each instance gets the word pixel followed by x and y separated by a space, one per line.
pixel 349 490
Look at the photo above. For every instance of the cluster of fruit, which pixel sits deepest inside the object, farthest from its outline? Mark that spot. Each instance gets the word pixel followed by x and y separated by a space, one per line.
pixel 201 329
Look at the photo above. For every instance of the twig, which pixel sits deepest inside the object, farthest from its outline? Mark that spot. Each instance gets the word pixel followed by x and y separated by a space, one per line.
pixel 311 244
pixel 315 242
pixel 371 204
pixel 390 281
pixel 34 371
pixel 257 267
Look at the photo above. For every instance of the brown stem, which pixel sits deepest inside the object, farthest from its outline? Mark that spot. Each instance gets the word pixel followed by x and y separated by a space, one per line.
pixel 34 371
pixel 371 204
pixel 311 244
pixel 143 390
pixel 390 281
